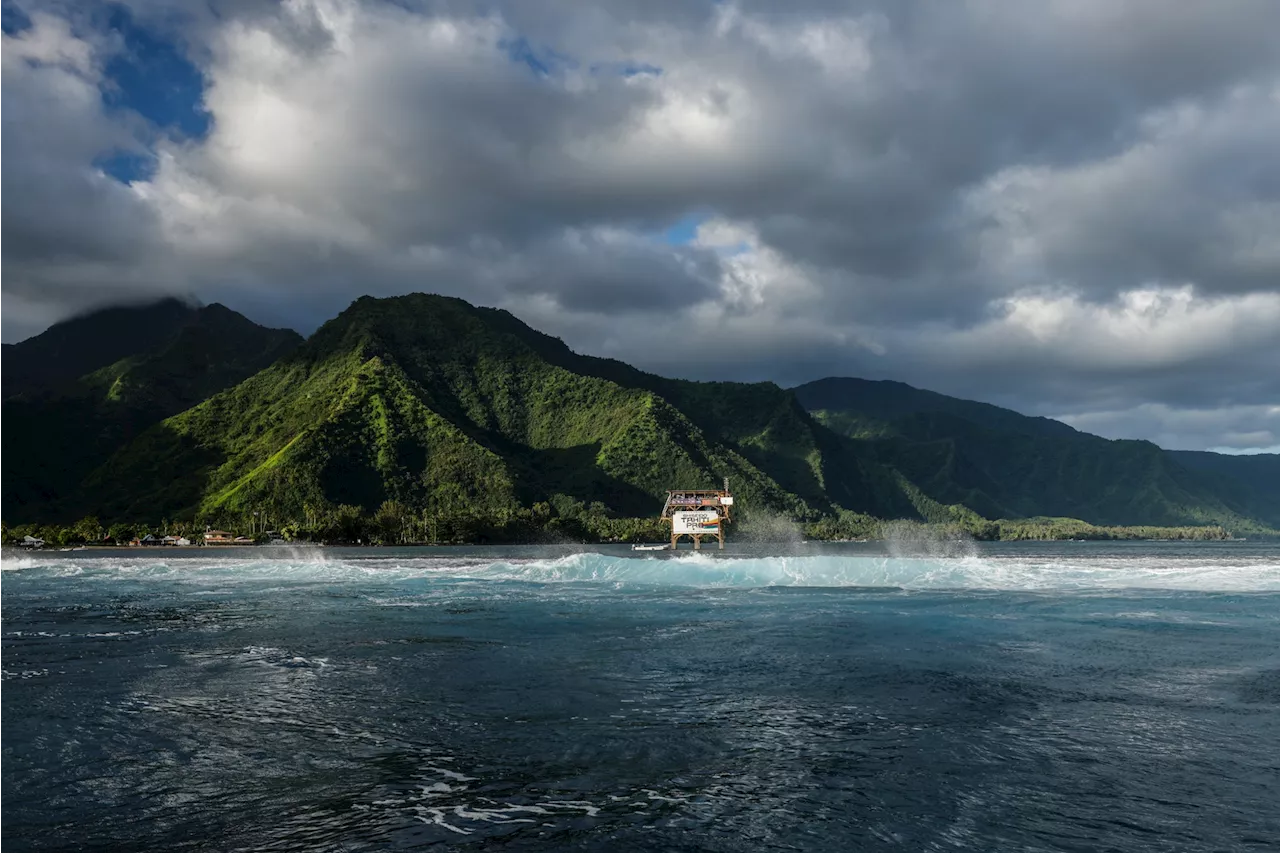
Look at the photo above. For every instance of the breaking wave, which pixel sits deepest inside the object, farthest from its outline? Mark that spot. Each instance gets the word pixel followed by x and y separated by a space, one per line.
pixel 13 564
pixel 1210 572
pixel 903 572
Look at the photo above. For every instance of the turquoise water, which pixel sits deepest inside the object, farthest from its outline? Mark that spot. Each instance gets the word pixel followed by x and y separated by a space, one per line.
pixel 917 696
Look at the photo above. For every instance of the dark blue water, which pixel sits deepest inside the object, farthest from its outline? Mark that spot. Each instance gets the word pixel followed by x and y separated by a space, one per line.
pixel 1068 697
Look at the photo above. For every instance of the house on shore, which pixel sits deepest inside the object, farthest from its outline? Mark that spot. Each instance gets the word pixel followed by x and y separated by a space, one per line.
pixel 222 537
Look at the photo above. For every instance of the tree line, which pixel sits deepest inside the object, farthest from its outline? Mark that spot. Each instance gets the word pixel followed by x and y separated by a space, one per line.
pixel 560 520
pixel 392 523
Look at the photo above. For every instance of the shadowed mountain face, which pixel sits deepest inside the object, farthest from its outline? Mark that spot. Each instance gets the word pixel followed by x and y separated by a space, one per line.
pixel 70 349
pixel 1002 464
pixel 86 387
pixel 1255 478
pixel 877 403
pixel 439 405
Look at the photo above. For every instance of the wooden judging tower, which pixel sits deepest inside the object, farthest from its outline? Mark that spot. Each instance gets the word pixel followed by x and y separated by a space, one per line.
pixel 697 513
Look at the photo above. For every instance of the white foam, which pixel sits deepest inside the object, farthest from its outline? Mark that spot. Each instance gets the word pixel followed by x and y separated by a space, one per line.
pixel 968 572
pixel 17 564
pixel 1214 570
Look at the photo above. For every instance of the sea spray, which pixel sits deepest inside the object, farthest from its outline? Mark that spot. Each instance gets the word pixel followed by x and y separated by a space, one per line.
pixel 764 526
pixel 12 562
pixel 297 552
pixel 912 539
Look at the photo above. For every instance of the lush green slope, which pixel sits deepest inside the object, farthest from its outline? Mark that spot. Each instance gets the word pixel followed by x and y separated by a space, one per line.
pixel 435 404
pixel 1001 464
pixel 57 430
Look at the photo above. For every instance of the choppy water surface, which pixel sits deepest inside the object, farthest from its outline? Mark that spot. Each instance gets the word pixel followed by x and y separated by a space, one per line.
pixel 1050 697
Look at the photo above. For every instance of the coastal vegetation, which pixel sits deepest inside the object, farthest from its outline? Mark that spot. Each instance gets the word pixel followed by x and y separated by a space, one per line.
pixel 393 524
pixel 425 419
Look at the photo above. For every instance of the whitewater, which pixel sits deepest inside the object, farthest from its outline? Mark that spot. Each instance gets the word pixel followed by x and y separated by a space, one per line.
pixel 915 565
pixel 909 695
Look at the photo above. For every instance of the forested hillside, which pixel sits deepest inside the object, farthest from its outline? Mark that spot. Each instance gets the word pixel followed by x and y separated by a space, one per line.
pixel 423 413
pixel 433 404
pixel 77 393
pixel 1002 464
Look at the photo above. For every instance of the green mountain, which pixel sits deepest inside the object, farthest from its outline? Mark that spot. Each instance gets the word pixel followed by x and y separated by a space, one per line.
pixel 865 408
pixel 433 403
pixel 68 350
pixel 1002 464
pixel 137 366
pixel 1254 478
pixel 427 407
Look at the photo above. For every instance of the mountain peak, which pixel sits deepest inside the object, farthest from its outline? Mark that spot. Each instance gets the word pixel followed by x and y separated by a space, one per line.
pixel 74 347
pixel 420 325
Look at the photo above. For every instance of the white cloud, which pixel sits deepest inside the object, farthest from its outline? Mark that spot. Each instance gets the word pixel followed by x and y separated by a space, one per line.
pixel 1235 429
pixel 1067 207
pixel 1141 329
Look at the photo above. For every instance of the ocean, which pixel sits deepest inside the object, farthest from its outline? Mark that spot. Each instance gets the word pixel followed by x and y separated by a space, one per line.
pixel 911 696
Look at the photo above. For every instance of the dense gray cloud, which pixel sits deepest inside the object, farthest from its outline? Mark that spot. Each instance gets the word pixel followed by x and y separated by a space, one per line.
pixel 1070 207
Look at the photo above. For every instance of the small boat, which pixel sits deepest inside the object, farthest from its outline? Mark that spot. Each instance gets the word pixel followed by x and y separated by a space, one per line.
pixel 649 547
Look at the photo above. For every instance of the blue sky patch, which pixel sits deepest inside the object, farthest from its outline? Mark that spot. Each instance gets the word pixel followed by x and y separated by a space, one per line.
pixel 153 78
pixel 684 230
pixel 633 69
pixel 541 61
pixel 544 61
pixel 127 166
pixel 12 19
pixel 625 69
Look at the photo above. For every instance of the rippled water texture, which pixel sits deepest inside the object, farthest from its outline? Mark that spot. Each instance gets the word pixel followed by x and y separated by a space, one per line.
pixel 1065 697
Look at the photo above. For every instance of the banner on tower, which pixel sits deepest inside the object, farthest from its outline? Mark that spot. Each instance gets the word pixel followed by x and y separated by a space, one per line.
pixel 695 522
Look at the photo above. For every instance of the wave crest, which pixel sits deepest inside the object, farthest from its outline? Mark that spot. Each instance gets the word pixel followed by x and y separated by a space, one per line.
pixel 1216 572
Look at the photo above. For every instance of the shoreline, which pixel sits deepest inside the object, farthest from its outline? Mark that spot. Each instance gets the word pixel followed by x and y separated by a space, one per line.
pixel 187 550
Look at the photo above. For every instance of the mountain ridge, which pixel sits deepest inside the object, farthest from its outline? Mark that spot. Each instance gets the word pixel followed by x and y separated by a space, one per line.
pixel 446 378
pixel 174 356
pixel 86 342
pixel 434 405
pixel 994 454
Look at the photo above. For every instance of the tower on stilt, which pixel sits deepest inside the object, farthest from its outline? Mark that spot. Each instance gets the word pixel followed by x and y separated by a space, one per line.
pixel 698 513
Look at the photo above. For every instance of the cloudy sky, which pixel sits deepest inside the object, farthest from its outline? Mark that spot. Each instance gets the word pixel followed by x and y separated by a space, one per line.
pixel 1071 207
